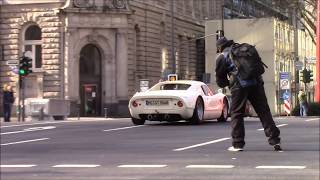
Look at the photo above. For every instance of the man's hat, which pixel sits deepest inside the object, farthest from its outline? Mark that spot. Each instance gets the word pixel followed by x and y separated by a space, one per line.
pixel 221 42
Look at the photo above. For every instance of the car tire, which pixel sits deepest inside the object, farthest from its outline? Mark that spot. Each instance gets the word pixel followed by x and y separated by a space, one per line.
pixel 198 111
pixel 225 112
pixel 138 121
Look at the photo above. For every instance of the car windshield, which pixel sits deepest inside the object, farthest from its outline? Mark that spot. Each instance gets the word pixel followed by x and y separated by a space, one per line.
pixel 170 86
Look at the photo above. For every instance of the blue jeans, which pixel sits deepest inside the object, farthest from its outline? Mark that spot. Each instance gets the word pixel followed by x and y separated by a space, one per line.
pixel 303 109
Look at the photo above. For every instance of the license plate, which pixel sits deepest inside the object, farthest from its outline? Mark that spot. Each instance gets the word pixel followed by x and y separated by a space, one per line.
pixel 157 102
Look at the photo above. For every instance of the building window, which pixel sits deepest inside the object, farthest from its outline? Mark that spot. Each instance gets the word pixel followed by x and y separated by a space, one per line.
pixel 32 45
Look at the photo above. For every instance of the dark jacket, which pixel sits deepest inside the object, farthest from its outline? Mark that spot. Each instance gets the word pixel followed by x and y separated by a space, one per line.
pixel 223 70
pixel 8 97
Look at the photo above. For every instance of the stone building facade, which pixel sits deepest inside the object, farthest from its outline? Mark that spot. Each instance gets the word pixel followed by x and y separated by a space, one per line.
pixel 95 52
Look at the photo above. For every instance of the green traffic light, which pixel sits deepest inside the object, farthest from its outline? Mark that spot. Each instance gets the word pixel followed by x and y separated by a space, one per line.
pixel 22 72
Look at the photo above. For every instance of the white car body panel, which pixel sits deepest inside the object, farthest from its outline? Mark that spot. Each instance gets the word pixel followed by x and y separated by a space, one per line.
pixel 213 103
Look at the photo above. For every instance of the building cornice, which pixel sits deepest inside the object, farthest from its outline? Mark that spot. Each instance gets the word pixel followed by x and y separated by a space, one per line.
pixel 8 2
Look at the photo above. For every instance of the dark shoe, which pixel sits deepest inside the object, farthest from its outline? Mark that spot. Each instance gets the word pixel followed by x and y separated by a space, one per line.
pixel 235 149
pixel 277 147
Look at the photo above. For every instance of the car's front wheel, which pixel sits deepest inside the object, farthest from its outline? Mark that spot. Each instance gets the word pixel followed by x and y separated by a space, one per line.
pixel 224 113
pixel 198 112
pixel 138 121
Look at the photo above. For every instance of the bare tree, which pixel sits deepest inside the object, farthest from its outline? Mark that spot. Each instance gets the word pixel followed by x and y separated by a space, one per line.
pixel 305 11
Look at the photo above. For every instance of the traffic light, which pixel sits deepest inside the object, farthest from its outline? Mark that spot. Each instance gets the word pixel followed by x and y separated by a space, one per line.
pixel 309 76
pixel 25 66
pixel 306 76
pixel 172 77
pixel 219 34
pixel 303 75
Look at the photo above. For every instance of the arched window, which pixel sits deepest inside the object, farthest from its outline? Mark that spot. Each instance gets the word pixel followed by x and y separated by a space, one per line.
pixel 32 45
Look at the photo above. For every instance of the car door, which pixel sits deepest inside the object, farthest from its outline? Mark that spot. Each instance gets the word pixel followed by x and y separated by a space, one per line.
pixel 212 103
pixel 208 102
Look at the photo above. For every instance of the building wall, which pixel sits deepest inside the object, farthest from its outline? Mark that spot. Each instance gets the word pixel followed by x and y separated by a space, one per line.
pixel 45 82
pixel 150 51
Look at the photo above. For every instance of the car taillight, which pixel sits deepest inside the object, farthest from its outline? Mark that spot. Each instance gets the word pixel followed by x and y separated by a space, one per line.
pixel 134 104
pixel 180 104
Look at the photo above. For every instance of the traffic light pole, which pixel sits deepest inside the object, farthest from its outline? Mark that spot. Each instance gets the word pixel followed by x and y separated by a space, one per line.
pixel 21 111
pixel 19 99
pixel 22 104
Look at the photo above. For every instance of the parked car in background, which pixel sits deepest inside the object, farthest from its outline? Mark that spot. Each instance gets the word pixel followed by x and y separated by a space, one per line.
pixel 192 101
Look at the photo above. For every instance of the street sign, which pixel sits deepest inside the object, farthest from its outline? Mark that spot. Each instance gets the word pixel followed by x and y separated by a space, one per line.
pixel 284 80
pixel 286 95
pixel 299 65
pixel 12 62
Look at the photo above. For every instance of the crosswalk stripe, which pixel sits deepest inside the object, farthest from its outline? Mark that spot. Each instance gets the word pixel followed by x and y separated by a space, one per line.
pixel 211 166
pixel 143 166
pixel 76 166
pixel 280 167
pixel 17 165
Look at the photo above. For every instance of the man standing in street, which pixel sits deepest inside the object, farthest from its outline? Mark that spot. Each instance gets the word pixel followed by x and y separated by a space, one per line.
pixel 8 100
pixel 227 74
pixel 303 103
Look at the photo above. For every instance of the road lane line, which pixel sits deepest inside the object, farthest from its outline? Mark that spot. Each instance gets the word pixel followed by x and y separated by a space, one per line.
pixel 211 166
pixel 314 119
pixel 18 166
pixel 280 125
pixel 143 166
pixel 76 166
pixel 202 144
pixel 30 130
pixel 280 167
pixel 20 142
pixel 129 127
pixel 65 121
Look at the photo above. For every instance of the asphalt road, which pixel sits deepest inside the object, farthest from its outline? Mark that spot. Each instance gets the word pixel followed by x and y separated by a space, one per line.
pixel 114 149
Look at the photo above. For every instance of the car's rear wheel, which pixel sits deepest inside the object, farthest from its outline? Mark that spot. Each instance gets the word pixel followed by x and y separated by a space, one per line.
pixel 138 121
pixel 224 113
pixel 198 112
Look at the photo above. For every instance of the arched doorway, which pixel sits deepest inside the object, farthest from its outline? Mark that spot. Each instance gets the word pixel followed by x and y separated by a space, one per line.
pixel 90 81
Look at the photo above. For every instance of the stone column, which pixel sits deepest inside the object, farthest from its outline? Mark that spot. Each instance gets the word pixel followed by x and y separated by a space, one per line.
pixel 122 64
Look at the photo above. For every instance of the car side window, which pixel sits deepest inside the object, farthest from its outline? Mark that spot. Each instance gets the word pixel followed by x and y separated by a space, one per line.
pixel 206 90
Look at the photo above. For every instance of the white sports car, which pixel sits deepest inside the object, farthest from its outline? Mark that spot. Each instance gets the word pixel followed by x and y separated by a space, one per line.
pixel 175 100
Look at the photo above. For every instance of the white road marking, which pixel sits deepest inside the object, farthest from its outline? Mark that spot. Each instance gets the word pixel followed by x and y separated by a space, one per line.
pixel 18 166
pixel 211 166
pixel 30 130
pixel 280 125
pixel 202 144
pixel 76 165
pixel 143 166
pixel 20 142
pixel 129 127
pixel 280 167
pixel 314 119
pixel 75 120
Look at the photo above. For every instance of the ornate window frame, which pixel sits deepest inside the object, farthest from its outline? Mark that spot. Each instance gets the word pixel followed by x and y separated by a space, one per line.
pixel 33 44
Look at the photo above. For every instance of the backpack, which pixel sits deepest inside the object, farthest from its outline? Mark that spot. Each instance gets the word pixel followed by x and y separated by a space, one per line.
pixel 247 61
